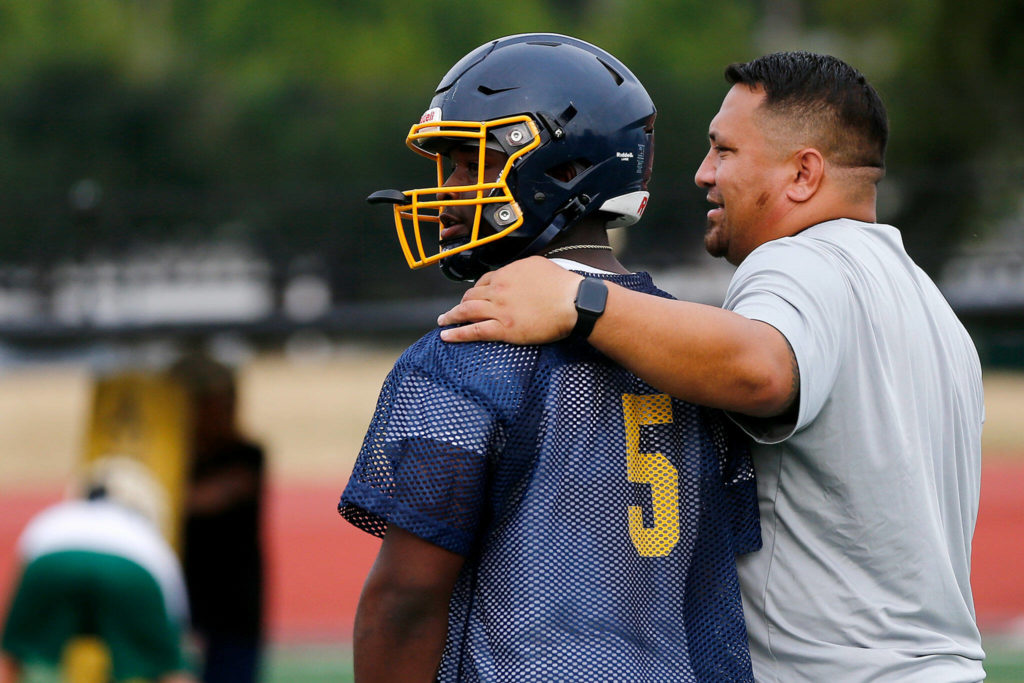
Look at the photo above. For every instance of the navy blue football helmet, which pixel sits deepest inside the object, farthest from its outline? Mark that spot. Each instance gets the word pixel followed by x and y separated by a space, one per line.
pixel 548 102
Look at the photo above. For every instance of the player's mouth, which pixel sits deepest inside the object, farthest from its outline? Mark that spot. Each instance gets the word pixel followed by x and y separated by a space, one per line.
pixel 452 229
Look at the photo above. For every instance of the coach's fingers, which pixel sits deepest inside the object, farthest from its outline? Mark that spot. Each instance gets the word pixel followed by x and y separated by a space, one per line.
pixel 470 310
pixel 488 330
pixel 481 292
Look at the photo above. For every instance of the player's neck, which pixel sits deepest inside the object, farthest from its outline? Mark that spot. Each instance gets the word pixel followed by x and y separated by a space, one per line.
pixel 586 243
pixel 598 259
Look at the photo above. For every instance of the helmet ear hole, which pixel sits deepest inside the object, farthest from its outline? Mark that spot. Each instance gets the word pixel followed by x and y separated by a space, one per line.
pixel 568 170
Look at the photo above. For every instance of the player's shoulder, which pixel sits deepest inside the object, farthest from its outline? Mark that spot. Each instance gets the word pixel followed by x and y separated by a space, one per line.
pixel 466 362
pixel 638 281
pixel 243 451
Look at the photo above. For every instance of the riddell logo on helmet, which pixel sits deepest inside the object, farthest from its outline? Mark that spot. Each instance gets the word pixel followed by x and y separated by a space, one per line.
pixel 643 205
pixel 429 116
pixel 433 114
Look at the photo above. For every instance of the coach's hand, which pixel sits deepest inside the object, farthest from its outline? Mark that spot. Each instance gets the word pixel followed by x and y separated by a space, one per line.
pixel 529 301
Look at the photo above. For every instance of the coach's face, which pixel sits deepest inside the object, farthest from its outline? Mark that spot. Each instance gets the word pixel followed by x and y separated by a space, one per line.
pixel 744 175
pixel 457 220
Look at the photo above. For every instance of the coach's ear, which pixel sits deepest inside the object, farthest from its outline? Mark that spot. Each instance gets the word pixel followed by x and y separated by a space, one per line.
pixel 808 170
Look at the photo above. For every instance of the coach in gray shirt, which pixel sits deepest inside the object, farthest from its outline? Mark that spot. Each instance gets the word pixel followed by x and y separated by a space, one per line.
pixel 837 354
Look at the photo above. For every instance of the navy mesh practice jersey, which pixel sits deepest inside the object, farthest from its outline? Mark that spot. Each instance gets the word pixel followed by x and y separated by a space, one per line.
pixel 599 518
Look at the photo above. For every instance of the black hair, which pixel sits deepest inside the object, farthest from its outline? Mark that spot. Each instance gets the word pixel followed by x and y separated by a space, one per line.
pixel 95 492
pixel 829 94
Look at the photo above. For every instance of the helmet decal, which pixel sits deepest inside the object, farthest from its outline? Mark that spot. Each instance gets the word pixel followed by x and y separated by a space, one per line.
pixel 432 114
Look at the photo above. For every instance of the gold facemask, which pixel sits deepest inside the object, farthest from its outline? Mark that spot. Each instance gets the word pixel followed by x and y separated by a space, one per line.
pixel 516 133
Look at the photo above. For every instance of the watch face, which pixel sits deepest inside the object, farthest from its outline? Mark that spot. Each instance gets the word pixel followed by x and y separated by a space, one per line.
pixel 591 296
pixel 590 300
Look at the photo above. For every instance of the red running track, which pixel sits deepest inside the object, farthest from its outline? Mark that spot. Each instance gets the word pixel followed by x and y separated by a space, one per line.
pixel 317 562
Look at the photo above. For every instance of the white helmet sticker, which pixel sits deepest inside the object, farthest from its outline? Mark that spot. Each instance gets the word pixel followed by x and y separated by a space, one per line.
pixel 432 114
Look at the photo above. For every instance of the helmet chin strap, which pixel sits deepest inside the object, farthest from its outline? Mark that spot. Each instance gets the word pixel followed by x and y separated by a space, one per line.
pixel 465 265
pixel 542 240
pixel 462 267
pixel 569 214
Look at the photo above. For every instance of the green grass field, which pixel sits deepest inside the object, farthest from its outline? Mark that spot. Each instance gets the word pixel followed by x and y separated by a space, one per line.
pixel 323 664
pixel 333 664
pixel 1004 664
pixel 310 664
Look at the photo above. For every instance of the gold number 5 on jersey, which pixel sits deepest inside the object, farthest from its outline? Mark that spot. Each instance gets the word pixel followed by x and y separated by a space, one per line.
pixel 654 469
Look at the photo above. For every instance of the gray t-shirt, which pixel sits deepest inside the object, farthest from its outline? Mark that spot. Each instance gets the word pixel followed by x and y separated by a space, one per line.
pixel 868 502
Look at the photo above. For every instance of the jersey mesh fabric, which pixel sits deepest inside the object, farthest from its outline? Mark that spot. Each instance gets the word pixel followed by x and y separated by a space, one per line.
pixel 599 519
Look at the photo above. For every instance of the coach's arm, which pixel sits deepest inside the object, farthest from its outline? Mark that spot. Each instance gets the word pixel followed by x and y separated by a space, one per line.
pixel 402 618
pixel 702 354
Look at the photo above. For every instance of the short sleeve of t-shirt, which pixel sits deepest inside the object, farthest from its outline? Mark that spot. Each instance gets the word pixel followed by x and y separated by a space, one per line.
pixel 422 466
pixel 793 285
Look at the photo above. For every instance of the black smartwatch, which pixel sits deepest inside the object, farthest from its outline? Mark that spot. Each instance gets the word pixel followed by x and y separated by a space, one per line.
pixel 590 300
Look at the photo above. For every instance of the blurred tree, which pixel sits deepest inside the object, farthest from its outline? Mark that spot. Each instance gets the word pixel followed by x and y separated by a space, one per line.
pixel 132 123
pixel 949 73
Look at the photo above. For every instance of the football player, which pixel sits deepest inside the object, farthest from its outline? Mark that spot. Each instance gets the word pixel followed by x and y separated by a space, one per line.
pixel 99 566
pixel 545 514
